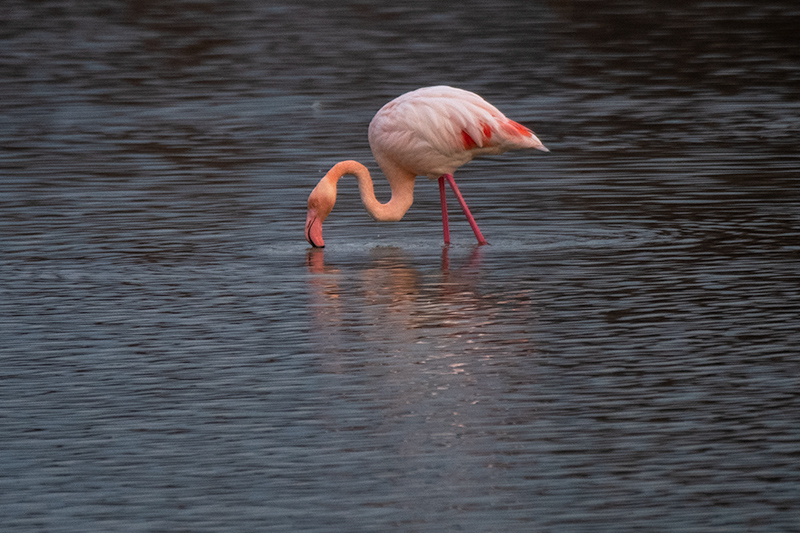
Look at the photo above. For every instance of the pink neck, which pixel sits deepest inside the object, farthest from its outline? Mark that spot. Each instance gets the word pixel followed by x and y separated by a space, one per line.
pixel 401 183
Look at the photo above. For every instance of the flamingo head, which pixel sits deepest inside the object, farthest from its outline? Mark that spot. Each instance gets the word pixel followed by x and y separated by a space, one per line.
pixel 320 204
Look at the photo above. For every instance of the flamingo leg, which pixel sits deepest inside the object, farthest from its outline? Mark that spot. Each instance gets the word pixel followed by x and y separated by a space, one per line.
pixel 445 224
pixel 470 219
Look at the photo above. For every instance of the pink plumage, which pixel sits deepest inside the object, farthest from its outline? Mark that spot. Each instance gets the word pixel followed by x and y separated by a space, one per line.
pixel 434 130
pixel 428 132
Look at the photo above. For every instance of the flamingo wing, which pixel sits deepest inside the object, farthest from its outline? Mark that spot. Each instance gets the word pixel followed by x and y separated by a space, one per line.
pixel 433 131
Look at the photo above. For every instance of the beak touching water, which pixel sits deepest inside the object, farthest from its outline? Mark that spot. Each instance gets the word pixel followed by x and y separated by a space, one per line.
pixel 320 204
pixel 314 229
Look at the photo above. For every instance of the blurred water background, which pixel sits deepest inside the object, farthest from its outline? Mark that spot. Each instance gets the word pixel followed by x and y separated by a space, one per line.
pixel 623 356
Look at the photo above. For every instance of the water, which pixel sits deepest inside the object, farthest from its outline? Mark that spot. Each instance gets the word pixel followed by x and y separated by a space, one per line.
pixel 622 356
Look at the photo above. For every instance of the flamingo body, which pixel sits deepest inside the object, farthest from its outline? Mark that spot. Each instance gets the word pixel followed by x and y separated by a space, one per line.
pixel 427 132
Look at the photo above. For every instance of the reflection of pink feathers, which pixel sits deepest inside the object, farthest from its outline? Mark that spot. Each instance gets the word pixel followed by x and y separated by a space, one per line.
pixel 428 132
pixel 435 130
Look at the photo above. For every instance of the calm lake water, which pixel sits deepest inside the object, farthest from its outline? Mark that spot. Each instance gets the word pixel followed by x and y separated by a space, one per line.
pixel 623 356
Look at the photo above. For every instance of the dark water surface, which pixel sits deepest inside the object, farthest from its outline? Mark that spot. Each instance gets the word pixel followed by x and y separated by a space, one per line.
pixel 623 356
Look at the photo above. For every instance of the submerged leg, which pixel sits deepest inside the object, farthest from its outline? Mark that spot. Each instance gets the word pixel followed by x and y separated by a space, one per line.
pixel 445 224
pixel 470 219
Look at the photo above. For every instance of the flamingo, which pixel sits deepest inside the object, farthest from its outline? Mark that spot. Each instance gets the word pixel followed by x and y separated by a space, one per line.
pixel 427 132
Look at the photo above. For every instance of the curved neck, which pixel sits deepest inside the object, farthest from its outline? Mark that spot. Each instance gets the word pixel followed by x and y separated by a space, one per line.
pixel 401 183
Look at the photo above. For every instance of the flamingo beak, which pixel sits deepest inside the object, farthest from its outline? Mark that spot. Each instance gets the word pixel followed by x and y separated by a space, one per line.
pixel 314 229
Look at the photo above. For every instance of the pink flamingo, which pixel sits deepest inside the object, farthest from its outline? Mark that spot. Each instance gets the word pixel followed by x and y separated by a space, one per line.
pixel 428 132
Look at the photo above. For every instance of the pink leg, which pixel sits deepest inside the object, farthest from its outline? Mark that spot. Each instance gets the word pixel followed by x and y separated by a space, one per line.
pixel 470 219
pixel 445 224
